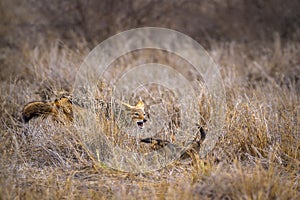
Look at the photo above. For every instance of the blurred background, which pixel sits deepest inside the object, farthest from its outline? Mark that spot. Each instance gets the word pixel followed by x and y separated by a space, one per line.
pixel 25 21
pixel 80 25
pixel 240 20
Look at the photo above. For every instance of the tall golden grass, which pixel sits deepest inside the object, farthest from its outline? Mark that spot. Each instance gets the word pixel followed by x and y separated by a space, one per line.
pixel 256 158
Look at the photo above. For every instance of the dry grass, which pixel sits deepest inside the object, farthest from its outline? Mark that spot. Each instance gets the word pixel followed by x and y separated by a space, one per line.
pixel 257 158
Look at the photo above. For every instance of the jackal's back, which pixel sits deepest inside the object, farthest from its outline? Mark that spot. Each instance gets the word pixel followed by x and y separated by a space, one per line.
pixel 37 108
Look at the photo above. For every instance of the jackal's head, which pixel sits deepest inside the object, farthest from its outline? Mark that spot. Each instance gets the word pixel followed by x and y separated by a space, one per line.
pixel 137 113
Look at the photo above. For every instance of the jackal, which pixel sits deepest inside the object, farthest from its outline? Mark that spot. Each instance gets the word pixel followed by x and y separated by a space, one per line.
pixel 61 110
pixel 137 113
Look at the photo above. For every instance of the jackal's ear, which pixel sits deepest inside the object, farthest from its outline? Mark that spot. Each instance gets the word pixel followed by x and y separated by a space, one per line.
pixel 140 104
